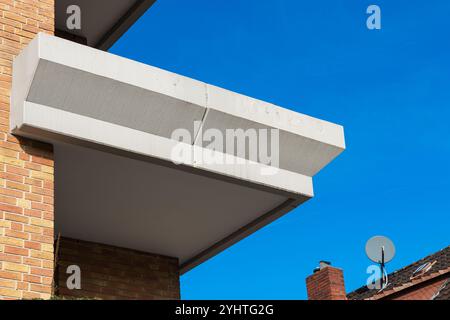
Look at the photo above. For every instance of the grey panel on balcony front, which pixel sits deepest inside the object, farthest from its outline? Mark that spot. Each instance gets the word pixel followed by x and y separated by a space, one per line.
pixel 111 101
pixel 297 153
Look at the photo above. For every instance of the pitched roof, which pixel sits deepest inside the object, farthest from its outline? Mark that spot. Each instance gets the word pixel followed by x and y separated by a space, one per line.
pixel 444 292
pixel 427 268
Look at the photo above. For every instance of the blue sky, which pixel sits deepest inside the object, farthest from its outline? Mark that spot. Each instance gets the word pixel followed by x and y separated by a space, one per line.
pixel 389 88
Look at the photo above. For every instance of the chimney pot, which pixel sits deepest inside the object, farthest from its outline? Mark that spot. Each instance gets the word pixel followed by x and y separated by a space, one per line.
pixel 324 264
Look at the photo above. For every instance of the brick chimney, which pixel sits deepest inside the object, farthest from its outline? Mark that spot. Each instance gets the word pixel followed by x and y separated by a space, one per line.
pixel 326 283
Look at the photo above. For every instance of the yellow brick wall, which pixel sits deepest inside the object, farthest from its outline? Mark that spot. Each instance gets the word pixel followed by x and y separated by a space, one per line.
pixel 26 169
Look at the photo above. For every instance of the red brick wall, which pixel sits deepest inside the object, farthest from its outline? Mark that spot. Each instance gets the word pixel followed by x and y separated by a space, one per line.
pixel 26 169
pixel 109 272
pixel 326 284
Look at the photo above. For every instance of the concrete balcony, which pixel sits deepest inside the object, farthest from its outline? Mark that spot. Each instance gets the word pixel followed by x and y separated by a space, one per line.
pixel 112 121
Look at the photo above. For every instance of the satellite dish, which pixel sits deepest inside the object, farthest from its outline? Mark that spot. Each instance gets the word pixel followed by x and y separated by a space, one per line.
pixel 380 249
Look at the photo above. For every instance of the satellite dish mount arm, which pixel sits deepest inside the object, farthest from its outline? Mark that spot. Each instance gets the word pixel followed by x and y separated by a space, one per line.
pixel 383 269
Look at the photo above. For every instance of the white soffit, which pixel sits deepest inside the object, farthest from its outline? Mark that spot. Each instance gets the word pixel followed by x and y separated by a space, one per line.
pixel 70 93
pixel 106 198
pixel 102 21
